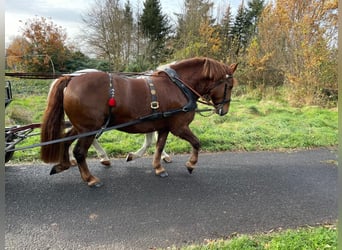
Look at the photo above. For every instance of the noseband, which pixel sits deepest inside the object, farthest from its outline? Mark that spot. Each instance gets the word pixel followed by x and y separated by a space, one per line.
pixel 219 106
pixel 224 101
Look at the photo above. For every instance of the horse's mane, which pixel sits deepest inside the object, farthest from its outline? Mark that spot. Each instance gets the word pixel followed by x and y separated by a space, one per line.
pixel 215 70
pixel 211 69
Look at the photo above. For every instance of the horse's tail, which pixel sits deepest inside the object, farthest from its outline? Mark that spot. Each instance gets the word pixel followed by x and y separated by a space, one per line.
pixel 52 127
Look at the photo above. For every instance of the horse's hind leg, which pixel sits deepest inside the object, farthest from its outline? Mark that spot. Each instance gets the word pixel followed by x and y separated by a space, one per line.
pixel 80 153
pixel 104 159
pixel 72 159
pixel 147 143
pixel 64 162
pixel 186 134
pixel 159 169
pixel 141 151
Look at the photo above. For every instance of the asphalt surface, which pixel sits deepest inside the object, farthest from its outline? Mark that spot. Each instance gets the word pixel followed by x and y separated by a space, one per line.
pixel 227 193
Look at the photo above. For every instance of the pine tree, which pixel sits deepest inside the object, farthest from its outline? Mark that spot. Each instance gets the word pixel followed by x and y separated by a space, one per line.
pixel 240 30
pixel 225 32
pixel 254 10
pixel 196 15
pixel 153 23
pixel 245 24
pixel 155 27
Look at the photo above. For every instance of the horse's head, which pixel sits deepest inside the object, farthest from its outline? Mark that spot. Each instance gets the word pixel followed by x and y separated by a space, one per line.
pixel 219 82
pixel 209 79
pixel 221 90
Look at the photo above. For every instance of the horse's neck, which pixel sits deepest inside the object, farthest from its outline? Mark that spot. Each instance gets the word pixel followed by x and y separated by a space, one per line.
pixel 191 75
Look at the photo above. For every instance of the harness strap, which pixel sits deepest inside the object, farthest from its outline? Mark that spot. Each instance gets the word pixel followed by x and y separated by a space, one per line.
pixel 111 104
pixel 192 97
pixel 154 102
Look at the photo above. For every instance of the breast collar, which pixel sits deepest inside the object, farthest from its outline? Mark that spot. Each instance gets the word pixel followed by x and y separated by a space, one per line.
pixel 192 97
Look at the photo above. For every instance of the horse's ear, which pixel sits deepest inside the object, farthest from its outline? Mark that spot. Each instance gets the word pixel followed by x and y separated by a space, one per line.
pixel 233 67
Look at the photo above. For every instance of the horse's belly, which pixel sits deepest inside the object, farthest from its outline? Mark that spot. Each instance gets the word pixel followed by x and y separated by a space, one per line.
pixel 144 127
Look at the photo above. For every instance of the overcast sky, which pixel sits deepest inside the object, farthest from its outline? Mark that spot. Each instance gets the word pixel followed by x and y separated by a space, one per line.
pixel 67 13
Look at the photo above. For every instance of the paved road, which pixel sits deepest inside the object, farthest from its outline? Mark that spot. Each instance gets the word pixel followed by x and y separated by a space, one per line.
pixel 227 193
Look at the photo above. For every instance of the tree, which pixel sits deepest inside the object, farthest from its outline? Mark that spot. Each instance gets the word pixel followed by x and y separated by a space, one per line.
pixel 107 31
pixel 295 37
pixel 15 54
pixel 254 10
pixel 244 27
pixel 155 28
pixel 225 34
pixel 196 15
pixel 128 33
pixel 239 31
pixel 41 48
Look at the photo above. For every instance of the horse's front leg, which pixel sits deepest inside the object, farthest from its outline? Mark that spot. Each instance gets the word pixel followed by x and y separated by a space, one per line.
pixel 186 134
pixel 80 153
pixel 159 169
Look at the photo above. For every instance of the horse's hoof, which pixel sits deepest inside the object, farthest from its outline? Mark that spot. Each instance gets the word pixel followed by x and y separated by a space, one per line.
pixel 53 171
pixel 73 163
pixel 105 163
pixel 190 170
pixel 167 159
pixel 129 157
pixel 190 167
pixel 95 185
pixel 163 174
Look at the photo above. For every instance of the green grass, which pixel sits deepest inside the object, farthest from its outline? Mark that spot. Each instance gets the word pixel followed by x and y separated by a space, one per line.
pixel 309 238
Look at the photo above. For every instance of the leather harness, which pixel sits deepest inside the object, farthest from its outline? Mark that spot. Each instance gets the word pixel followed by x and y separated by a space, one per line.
pixel 191 95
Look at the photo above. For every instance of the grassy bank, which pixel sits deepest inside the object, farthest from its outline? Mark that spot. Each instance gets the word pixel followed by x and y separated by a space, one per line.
pixel 309 238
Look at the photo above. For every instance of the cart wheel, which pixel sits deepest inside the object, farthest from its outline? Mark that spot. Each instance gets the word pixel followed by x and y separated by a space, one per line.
pixel 9 143
pixel 9 155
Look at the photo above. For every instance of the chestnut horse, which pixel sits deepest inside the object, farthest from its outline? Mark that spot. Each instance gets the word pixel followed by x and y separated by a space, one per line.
pixel 104 159
pixel 165 102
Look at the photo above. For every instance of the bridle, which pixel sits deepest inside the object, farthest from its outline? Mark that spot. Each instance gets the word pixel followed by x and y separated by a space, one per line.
pixel 218 106
pixel 194 96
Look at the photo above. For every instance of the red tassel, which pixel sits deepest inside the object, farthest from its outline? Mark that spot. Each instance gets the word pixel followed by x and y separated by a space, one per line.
pixel 112 102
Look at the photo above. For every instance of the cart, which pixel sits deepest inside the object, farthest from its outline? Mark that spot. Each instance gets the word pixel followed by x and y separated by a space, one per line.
pixel 15 134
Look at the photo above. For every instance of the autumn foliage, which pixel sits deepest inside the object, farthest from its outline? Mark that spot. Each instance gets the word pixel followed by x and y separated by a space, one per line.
pixel 41 48
pixel 297 38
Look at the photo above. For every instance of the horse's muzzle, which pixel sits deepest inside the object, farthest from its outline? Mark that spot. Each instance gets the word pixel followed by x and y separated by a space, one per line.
pixel 220 110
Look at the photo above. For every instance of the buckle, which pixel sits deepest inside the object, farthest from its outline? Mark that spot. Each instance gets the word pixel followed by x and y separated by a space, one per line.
pixel 154 105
